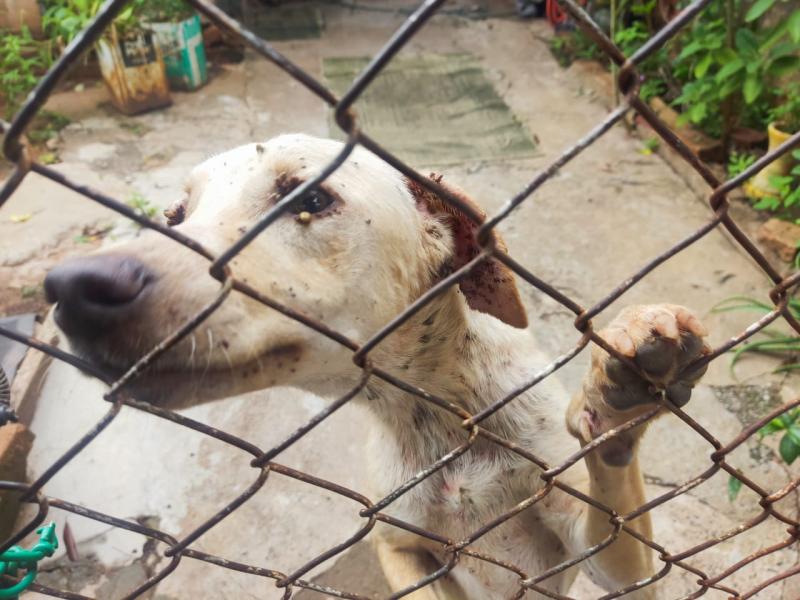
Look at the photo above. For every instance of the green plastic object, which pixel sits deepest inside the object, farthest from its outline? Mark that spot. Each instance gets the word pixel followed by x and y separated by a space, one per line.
pixel 184 54
pixel 16 558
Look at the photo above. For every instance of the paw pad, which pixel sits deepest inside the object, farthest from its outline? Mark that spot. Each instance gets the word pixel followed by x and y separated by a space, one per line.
pixel 661 340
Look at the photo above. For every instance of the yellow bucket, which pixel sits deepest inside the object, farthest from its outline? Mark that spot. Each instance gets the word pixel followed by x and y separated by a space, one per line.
pixel 758 186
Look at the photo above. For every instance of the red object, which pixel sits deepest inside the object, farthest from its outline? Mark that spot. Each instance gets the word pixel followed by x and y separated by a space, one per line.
pixel 557 15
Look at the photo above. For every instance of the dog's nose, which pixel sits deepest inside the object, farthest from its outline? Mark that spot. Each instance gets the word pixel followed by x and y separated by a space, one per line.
pixel 95 292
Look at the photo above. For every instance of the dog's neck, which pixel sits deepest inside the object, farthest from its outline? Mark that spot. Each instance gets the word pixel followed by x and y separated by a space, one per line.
pixel 460 356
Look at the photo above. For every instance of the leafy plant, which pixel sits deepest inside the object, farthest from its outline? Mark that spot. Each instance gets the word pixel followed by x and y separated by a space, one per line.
pixel 560 51
pixel 788 447
pixel 781 345
pixel 638 20
pixel 62 20
pixel 786 347
pixel 22 60
pixel 786 115
pixel 787 193
pixel 790 442
pixel 652 87
pixel 165 10
pixel 650 145
pixel 630 38
pixel 142 206
pixel 575 45
pixel 732 64
pixel 739 162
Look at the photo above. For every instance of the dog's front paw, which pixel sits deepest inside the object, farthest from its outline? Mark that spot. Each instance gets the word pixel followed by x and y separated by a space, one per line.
pixel 661 339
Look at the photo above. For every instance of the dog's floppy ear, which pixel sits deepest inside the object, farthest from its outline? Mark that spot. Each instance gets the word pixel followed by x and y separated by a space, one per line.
pixel 490 288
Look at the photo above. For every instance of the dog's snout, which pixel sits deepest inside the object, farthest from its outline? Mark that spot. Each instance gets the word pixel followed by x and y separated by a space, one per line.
pixel 96 291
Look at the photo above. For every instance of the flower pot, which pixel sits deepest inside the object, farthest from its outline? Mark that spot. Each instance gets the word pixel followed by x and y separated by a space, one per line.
pixel 759 186
pixel 133 70
pixel 184 54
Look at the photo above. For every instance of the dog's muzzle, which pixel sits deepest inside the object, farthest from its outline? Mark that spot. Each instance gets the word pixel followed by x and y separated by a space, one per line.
pixel 96 293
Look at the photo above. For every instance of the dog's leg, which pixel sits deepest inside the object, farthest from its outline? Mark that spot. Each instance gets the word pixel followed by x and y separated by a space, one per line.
pixel 403 567
pixel 661 340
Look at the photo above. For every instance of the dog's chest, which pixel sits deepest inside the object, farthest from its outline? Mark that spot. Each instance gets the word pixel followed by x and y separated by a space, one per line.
pixel 458 500
pixel 474 496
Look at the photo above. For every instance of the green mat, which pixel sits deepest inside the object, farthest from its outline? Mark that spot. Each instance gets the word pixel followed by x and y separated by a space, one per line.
pixel 285 22
pixel 433 109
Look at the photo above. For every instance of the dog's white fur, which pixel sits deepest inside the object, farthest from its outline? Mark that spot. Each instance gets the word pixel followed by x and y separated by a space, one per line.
pixel 354 267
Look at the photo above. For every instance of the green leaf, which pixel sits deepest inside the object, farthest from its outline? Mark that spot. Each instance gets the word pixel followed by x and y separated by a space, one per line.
pixel 730 86
pixel 783 49
pixel 644 9
pixel 753 86
pixel 741 303
pixel 746 41
pixel 729 69
pixel 794 433
pixel 788 449
pixel 725 55
pixel 773 426
pixel 780 181
pixel 768 203
pixel 125 14
pixel 701 68
pixel 734 485
pixel 697 112
pixel 758 9
pixel 784 65
pixel 690 48
pixel 793 26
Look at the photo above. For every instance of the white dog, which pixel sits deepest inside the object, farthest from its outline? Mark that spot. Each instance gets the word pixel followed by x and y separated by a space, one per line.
pixel 353 255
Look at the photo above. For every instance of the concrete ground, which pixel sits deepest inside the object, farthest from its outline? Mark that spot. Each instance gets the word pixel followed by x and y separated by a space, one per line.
pixel 601 218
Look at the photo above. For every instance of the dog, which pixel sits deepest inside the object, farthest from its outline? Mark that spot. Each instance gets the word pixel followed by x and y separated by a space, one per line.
pixel 354 254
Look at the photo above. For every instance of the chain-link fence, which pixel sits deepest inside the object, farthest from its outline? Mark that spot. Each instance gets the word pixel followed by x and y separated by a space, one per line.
pixel 263 462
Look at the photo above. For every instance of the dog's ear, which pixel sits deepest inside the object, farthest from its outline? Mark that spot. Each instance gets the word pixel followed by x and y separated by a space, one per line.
pixel 490 288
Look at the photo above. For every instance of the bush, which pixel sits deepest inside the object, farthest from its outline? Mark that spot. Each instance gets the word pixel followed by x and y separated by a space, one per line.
pixel 727 69
pixel 22 61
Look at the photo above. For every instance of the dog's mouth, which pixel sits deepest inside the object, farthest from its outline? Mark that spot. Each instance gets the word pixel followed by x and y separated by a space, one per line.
pixel 167 382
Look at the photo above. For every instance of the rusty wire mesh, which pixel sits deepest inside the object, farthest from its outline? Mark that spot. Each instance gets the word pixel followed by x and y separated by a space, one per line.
pixel 263 462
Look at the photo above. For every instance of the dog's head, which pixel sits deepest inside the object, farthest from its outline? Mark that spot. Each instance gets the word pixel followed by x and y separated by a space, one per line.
pixel 351 255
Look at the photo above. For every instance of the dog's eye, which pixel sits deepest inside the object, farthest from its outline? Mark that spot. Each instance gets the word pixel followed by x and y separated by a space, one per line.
pixel 312 202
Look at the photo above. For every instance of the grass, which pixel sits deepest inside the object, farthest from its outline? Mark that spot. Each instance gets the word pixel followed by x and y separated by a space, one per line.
pixel 777 344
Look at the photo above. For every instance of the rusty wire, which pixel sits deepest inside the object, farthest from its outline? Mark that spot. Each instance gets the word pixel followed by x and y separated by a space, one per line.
pixel 263 461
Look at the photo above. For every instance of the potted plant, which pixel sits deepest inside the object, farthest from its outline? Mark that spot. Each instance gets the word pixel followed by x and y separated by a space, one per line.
pixel 180 37
pixel 784 122
pixel 130 61
pixel 179 34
